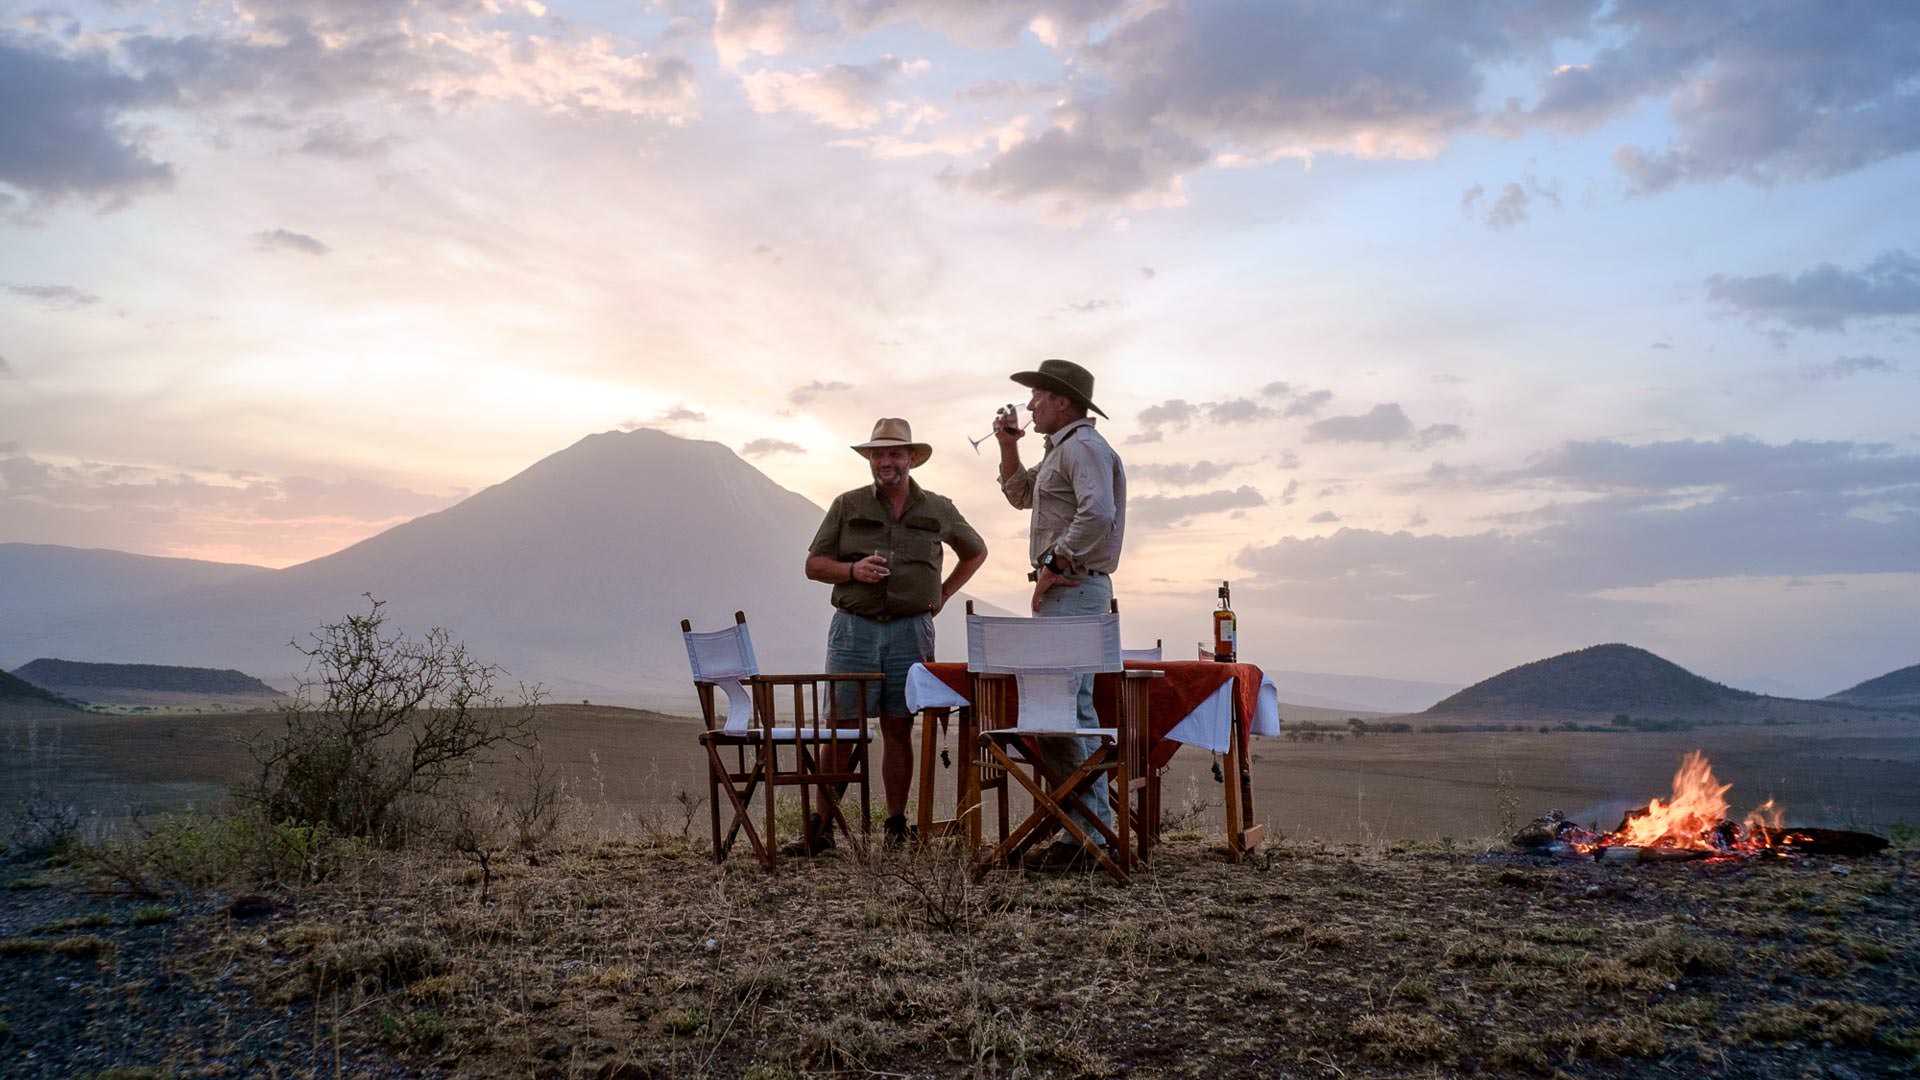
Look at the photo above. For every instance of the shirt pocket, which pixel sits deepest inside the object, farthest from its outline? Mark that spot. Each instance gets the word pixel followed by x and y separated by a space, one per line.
pixel 1054 484
pixel 919 540
pixel 861 537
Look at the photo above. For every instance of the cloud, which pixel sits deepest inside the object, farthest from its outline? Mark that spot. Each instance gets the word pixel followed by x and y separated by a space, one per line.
pixel 1076 164
pixel 1167 510
pixel 1090 307
pixel 341 141
pixel 679 413
pixel 1513 207
pixel 1178 414
pixel 1434 434
pixel 56 297
pixel 1782 92
pixel 1847 366
pixel 1826 297
pixel 176 499
pixel 65 129
pixel 1736 465
pixel 764 447
pixel 6 369
pixel 1238 411
pixel 845 96
pixel 1382 424
pixel 1175 414
pixel 1181 475
pixel 287 240
pixel 742 28
pixel 1308 404
pixel 1184 85
pixel 432 55
pixel 1324 517
pixel 1511 210
pixel 1287 496
pixel 804 395
pixel 1277 389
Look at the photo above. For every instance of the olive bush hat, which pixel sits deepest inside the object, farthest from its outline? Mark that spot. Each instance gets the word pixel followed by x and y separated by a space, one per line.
pixel 1062 377
pixel 889 431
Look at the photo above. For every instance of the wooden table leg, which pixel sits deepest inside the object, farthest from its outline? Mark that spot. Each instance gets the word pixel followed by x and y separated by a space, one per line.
pixel 967 799
pixel 1232 784
pixel 925 813
pixel 1242 834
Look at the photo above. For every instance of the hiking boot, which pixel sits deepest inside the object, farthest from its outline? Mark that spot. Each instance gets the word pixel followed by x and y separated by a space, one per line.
pixel 818 838
pixel 1058 857
pixel 894 831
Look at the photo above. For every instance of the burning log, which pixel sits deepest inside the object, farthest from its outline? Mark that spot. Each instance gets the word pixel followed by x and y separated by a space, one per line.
pixel 1693 824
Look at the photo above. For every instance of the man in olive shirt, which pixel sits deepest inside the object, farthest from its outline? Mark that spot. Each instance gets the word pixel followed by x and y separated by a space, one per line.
pixel 1078 494
pixel 879 548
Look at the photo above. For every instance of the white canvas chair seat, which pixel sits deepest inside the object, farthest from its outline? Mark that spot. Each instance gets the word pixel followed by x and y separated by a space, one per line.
pixel 1046 658
pixel 803 746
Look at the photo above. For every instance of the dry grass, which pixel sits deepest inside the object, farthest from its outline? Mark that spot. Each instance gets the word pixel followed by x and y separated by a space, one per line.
pixel 632 955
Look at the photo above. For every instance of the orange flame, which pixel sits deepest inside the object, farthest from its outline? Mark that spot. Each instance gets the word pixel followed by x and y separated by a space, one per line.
pixel 1695 818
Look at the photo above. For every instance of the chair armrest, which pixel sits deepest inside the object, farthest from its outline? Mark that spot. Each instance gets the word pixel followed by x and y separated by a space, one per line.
pixel 1137 673
pixel 802 680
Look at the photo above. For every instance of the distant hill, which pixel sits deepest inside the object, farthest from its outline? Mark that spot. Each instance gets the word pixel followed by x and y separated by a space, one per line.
pixel 52 579
pixel 1894 689
pixel 75 677
pixel 574 573
pixel 15 690
pixel 1607 679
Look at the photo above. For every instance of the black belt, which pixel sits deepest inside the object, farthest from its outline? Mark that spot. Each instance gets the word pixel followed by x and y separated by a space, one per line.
pixel 885 618
pixel 1034 575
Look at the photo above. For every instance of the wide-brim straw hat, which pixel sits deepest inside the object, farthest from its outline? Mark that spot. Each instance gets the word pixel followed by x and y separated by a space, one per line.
pixel 1062 377
pixel 892 431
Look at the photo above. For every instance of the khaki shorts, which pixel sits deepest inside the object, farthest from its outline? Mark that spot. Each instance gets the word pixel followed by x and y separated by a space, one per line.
pixel 856 643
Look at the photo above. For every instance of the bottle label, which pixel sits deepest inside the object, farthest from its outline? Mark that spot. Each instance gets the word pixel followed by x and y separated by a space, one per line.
pixel 1225 635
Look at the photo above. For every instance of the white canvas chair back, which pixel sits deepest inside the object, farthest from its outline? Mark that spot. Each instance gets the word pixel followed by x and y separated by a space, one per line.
pixel 725 658
pixel 1151 656
pixel 1045 655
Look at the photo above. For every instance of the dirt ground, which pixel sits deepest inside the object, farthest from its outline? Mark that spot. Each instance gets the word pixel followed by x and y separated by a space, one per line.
pixel 629 954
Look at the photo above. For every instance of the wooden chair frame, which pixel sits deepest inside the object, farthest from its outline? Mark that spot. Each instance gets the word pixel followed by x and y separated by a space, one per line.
pixel 1116 770
pixel 814 736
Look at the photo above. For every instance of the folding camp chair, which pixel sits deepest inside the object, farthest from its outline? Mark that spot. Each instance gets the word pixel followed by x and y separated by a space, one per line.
pixel 814 749
pixel 1042 659
pixel 1151 656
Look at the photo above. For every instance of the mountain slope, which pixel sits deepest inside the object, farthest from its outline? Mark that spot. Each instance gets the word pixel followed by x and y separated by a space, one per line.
pixel 50 578
pixel 17 691
pixel 574 573
pixel 1599 679
pixel 1895 688
pixel 74 675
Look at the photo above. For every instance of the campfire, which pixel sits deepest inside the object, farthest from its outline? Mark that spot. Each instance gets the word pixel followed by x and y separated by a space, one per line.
pixel 1694 824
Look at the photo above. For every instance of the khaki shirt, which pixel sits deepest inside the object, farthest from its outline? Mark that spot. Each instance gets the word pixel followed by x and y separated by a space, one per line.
pixel 861 523
pixel 1078 494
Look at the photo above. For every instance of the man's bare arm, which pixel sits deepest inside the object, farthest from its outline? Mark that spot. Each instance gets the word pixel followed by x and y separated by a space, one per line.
pixel 834 571
pixel 962 573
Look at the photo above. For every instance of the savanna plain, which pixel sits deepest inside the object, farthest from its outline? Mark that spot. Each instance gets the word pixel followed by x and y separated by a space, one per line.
pixel 1386 927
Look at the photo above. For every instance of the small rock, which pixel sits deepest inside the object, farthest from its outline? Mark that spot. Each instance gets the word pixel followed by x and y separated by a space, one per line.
pixel 1593 890
pixel 1843 871
pixel 711 944
pixel 1841 1072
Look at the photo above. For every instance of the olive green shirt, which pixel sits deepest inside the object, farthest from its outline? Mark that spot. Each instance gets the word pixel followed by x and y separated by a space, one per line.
pixel 861 523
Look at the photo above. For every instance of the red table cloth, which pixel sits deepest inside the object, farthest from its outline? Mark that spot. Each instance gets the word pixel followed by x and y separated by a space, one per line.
pixel 1184 686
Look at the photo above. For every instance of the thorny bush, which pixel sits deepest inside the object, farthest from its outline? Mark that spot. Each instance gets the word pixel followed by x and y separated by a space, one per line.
pixel 382 724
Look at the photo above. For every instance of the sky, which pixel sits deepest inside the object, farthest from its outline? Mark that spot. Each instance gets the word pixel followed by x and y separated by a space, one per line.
pixel 1454 334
